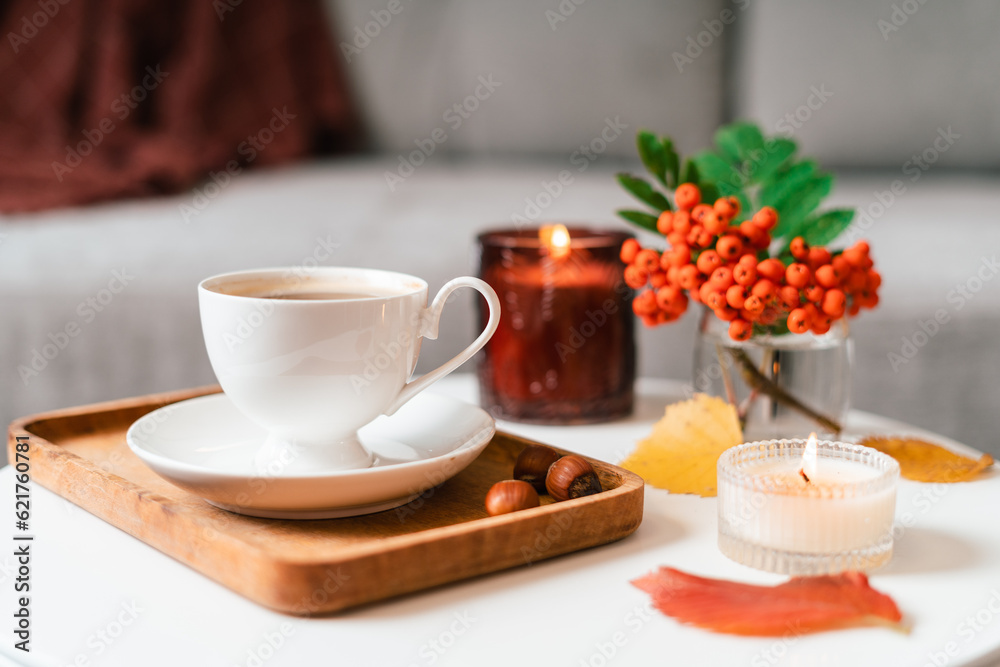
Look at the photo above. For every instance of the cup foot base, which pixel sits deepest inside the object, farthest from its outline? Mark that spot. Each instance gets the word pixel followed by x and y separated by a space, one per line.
pixel 284 457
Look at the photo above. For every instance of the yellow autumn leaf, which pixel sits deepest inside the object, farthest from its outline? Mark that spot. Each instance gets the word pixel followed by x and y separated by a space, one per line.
pixel 926 462
pixel 681 453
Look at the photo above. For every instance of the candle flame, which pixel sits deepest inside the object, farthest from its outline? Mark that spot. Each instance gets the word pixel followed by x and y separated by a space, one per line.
pixel 556 239
pixel 809 457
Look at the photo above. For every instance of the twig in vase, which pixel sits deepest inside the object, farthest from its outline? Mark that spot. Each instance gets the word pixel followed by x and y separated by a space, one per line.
pixel 757 380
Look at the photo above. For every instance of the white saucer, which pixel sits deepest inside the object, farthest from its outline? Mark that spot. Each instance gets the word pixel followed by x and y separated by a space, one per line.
pixel 206 446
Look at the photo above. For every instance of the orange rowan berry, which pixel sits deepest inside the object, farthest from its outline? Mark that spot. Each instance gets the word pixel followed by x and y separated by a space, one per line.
pixel 772 269
pixel 645 303
pixel 713 222
pixel 766 218
pixel 709 261
pixel 854 309
pixel 764 289
pixel 834 303
pixel 682 222
pixel 635 277
pixel 745 273
pixel 688 278
pixel 699 211
pixel 729 247
pixel 840 265
pixel 665 223
pixel 811 310
pixel 736 296
pixel 856 257
pixel 727 207
pixel 668 296
pixel 821 325
pixel 827 276
pixel 789 296
pixel 716 300
pixel 629 249
pixel 704 291
pixel 666 260
pixel 687 196
pixel 798 275
pixel 754 305
pixel 798 321
pixel 818 256
pixel 647 320
pixel 799 249
pixel 698 237
pixel 874 279
pixel 647 259
pixel 740 329
pixel 768 317
pixel 754 235
pixel 676 238
pixel 680 255
pixel 726 314
pixel 721 278
pixel 672 274
pixel 657 279
pixel 814 293
pixel 856 281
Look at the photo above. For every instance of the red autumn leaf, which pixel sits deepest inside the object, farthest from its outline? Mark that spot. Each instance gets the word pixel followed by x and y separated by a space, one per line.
pixel 798 606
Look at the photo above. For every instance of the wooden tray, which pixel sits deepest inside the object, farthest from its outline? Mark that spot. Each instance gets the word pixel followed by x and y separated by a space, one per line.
pixel 314 567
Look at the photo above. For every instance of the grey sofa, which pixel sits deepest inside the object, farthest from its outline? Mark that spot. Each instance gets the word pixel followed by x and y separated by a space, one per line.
pixel 99 302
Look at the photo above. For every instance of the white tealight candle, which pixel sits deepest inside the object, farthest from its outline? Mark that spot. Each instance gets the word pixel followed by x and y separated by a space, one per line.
pixel 801 508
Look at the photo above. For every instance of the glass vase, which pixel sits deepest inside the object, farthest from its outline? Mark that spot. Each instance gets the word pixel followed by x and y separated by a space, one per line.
pixel 783 385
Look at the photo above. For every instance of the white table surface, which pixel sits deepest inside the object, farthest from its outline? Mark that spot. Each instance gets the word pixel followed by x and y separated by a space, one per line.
pixel 102 597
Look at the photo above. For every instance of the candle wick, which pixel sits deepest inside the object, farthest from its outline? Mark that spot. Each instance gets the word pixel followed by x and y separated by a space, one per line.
pixel 802 471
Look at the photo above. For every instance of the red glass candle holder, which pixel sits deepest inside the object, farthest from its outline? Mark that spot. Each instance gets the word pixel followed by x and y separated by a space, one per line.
pixel 564 352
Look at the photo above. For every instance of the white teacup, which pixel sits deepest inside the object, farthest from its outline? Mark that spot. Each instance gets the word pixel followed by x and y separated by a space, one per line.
pixel 313 359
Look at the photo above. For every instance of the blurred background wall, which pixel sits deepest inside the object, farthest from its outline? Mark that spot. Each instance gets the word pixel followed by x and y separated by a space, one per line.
pixel 887 92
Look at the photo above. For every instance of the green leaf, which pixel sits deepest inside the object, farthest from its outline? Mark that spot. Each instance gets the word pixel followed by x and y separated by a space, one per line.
pixel 673 161
pixel 644 220
pixel 644 192
pixel 740 142
pixel 690 173
pixel 652 154
pixel 785 182
pixel 713 168
pixel 824 228
pixel 793 210
pixel 777 152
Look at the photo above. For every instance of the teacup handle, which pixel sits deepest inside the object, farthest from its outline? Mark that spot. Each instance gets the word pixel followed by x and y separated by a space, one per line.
pixel 429 329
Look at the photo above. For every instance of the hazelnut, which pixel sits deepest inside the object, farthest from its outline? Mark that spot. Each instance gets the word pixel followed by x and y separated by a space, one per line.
pixel 510 495
pixel 533 465
pixel 572 477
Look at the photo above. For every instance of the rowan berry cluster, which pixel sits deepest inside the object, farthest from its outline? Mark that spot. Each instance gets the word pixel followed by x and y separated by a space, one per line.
pixel 725 266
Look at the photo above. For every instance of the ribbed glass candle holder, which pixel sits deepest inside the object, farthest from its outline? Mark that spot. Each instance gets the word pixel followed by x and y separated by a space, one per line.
pixel 774 516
